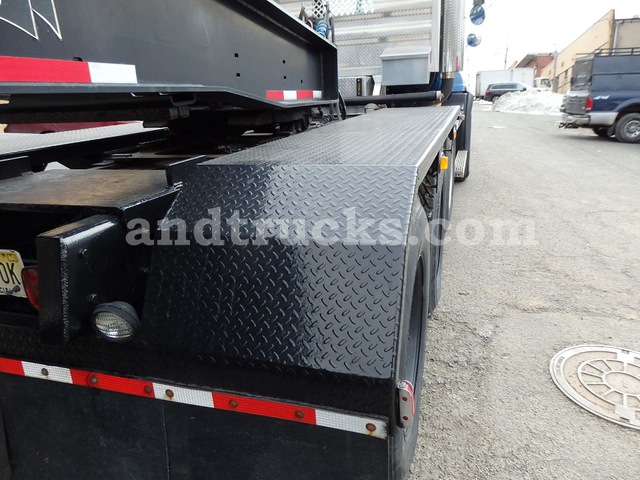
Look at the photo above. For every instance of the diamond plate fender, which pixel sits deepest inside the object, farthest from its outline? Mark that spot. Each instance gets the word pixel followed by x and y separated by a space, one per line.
pixel 329 308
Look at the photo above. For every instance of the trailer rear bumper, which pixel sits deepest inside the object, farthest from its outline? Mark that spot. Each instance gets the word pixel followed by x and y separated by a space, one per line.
pixel 57 430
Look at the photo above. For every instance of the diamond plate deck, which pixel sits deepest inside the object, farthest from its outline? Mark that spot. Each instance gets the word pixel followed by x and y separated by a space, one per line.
pixel 328 308
pixel 16 144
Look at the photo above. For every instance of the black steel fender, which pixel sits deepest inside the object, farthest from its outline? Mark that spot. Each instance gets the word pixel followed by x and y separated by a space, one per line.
pixel 329 312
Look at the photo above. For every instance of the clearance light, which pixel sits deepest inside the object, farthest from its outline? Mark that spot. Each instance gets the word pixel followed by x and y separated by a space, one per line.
pixel 116 321
pixel 30 283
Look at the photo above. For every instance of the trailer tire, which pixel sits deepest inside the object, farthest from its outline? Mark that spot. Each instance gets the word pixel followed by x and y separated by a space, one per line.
pixel 410 363
pixel 628 128
pixel 437 229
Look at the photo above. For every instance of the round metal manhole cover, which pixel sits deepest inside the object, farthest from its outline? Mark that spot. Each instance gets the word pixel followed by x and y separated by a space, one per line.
pixel 604 380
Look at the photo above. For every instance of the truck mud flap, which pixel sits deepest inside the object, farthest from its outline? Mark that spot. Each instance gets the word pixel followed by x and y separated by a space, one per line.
pixel 65 431
pixel 5 467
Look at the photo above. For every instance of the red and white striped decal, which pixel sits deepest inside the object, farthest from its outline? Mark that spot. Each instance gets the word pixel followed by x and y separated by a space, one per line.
pixel 286 95
pixel 40 70
pixel 201 398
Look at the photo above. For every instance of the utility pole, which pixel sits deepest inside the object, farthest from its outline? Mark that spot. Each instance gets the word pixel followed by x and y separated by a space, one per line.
pixel 554 80
pixel 506 53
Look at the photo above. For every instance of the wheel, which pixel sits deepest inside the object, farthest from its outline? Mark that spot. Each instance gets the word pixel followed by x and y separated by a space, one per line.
pixel 628 128
pixel 601 132
pixel 431 193
pixel 342 107
pixel 494 99
pixel 437 249
pixel 410 362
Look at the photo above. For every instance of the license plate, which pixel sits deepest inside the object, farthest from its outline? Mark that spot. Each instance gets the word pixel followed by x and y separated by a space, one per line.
pixel 11 274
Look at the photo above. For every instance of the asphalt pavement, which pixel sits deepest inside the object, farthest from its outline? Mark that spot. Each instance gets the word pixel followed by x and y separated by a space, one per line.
pixel 544 254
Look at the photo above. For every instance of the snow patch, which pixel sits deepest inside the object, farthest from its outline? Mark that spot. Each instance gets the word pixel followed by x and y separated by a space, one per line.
pixel 532 102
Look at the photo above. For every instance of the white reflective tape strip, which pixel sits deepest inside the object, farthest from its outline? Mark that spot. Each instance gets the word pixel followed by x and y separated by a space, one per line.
pixel 290 95
pixel 37 370
pixel 171 393
pixel 323 418
pixel 351 423
pixel 317 94
pixel 112 73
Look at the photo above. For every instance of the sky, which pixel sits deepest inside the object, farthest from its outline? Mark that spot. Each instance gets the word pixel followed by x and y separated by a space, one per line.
pixel 534 26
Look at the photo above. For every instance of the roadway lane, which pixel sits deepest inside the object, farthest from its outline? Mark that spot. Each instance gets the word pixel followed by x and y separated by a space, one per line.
pixel 571 276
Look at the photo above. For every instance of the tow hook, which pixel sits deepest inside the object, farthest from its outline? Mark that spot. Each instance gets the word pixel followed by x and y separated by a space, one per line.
pixel 406 404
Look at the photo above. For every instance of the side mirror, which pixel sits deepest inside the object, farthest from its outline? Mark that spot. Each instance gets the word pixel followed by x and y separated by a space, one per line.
pixel 477 15
pixel 473 40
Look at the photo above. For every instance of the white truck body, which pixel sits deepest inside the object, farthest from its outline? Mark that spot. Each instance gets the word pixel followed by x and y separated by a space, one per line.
pixel 487 77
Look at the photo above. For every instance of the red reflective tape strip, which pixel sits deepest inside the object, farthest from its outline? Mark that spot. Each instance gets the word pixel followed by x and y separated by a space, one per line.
pixel 264 408
pixel 17 69
pixel 281 95
pixel 112 383
pixel 277 95
pixel 222 401
pixel 304 94
pixel 12 367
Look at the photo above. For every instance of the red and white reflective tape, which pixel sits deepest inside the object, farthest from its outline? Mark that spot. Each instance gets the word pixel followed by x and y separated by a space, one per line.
pixel 201 398
pixel 41 70
pixel 285 95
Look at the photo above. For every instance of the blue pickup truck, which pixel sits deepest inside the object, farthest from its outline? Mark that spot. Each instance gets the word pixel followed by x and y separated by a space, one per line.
pixel 605 94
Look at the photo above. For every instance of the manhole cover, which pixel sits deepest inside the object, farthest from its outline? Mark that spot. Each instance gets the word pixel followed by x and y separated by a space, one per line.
pixel 604 380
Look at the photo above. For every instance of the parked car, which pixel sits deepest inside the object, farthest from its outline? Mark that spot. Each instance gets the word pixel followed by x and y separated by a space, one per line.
pixel 496 90
pixel 605 95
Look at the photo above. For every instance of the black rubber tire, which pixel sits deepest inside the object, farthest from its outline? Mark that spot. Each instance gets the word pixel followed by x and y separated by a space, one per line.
pixel 628 128
pixel 413 327
pixel 436 253
pixel 601 131
pixel 494 99
pixel 342 107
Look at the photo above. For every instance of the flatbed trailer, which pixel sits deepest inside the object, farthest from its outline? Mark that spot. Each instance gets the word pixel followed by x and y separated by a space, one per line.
pixel 239 290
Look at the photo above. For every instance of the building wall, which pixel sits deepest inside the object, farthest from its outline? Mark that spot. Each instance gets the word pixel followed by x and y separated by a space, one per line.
pixel 539 62
pixel 598 36
pixel 542 61
pixel 628 33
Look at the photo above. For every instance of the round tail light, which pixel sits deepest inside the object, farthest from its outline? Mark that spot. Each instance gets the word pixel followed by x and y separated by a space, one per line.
pixel 115 321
